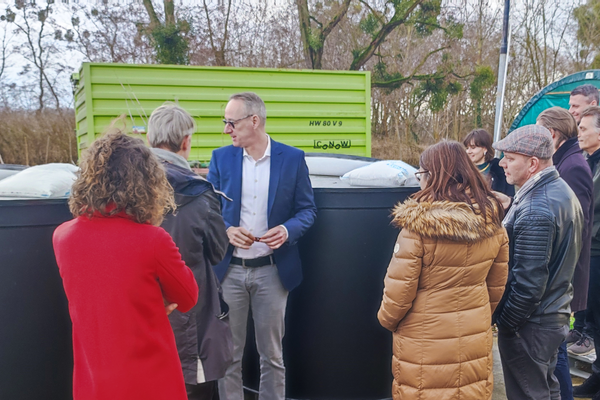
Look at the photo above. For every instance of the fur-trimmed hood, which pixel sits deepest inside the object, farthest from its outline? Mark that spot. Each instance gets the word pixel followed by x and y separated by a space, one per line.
pixel 444 220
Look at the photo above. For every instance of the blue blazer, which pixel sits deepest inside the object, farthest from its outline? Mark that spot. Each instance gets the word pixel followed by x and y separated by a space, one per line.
pixel 290 203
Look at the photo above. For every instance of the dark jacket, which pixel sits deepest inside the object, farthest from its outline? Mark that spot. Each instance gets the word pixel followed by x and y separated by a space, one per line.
pixel 498 177
pixel 593 161
pixel 291 202
pixel 544 227
pixel 574 170
pixel 203 337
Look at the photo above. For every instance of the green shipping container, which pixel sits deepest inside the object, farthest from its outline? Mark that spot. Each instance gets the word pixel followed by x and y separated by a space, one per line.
pixel 316 111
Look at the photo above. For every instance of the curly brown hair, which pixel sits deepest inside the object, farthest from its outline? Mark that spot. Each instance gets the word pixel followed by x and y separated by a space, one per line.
pixel 118 174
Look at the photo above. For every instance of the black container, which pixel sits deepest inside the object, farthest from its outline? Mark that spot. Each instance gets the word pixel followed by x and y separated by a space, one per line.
pixel 334 347
pixel 35 329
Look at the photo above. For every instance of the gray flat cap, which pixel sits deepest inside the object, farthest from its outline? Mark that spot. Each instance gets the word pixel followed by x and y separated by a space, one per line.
pixel 530 140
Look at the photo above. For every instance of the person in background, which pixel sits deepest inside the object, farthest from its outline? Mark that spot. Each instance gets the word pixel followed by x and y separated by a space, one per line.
pixel 574 170
pixel 479 149
pixel 580 338
pixel 589 141
pixel 447 274
pixel 273 206
pixel 121 271
pixel 203 336
pixel 581 98
pixel 544 225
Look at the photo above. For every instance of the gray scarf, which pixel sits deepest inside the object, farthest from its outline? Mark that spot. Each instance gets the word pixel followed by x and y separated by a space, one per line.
pixel 171 157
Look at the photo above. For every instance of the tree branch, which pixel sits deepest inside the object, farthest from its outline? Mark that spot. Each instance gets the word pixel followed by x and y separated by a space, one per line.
pixel 169 12
pixel 305 31
pixel 424 60
pixel 154 21
pixel 317 21
pixel 336 19
pixel 376 14
pixel 413 76
pixel 385 30
pixel 225 32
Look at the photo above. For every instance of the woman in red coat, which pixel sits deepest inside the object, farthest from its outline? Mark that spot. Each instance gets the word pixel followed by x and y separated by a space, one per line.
pixel 121 272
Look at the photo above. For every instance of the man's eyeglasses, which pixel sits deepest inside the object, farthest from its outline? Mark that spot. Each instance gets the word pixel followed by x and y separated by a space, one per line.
pixel 419 173
pixel 235 121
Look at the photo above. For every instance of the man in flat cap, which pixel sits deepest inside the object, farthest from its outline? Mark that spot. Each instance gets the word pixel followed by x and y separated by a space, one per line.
pixel 544 224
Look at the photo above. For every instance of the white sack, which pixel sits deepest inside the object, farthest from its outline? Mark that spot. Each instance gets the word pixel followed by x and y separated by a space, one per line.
pixel 332 166
pixel 389 173
pixel 48 181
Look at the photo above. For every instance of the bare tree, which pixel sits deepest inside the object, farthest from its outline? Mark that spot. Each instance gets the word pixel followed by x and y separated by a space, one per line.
pixel 5 48
pixel 542 34
pixel 168 37
pixel 111 34
pixel 38 46
pixel 218 48
pixel 314 32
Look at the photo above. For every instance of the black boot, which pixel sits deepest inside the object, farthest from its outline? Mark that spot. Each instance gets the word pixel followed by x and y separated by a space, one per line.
pixel 589 388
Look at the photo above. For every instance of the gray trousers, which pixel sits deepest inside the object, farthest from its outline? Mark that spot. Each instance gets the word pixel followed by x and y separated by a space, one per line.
pixel 529 359
pixel 261 290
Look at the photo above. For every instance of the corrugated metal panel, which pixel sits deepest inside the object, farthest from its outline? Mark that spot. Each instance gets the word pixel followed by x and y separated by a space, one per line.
pixel 317 111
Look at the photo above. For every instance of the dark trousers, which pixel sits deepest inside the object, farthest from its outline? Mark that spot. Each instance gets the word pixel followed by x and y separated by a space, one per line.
pixel 593 309
pixel 529 359
pixel 579 323
pixel 562 373
pixel 203 391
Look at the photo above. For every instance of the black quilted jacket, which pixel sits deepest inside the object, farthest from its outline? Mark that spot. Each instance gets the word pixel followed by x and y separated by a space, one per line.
pixel 544 228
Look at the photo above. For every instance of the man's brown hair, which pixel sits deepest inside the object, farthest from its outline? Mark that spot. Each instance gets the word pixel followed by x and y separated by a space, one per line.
pixel 561 121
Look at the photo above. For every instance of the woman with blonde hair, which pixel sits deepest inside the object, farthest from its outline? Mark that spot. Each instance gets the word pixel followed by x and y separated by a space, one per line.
pixel 445 279
pixel 119 271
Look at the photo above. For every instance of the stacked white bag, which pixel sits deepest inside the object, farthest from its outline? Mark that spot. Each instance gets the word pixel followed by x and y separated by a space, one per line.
pixel 47 181
pixel 388 173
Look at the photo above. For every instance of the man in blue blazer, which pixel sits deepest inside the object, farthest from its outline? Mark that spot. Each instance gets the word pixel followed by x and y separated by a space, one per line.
pixel 272 207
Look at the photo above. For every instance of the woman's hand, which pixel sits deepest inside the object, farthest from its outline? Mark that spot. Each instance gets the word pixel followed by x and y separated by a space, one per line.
pixel 169 307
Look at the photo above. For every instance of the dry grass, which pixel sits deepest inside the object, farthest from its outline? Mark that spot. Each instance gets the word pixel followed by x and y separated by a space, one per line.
pixel 32 138
pixel 390 147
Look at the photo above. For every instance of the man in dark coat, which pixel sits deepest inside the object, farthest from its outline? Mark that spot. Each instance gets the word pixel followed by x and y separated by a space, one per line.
pixel 589 141
pixel 573 169
pixel 203 335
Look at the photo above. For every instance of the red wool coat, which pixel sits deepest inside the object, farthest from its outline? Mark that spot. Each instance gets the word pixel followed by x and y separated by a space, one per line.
pixel 115 273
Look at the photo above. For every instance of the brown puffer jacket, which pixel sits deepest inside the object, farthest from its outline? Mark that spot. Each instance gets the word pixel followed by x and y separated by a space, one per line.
pixel 446 276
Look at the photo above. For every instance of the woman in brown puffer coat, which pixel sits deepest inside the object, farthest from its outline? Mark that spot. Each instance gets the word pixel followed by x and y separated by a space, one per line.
pixel 446 276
